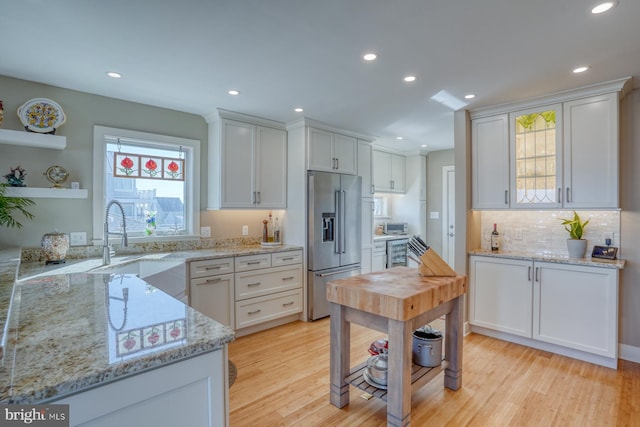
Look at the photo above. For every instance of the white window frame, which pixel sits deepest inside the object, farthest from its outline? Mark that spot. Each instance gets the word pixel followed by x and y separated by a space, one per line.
pixel 192 179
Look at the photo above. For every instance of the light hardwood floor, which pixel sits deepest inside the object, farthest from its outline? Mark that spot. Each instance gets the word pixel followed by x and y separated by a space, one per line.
pixel 283 380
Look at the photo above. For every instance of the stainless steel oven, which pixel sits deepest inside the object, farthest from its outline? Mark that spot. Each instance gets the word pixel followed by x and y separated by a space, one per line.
pixel 397 252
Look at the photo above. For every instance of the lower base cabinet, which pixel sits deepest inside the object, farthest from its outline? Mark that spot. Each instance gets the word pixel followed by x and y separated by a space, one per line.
pixel 193 392
pixel 379 256
pixel 565 306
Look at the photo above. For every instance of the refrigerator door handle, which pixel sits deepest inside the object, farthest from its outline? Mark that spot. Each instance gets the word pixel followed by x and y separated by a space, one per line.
pixel 338 230
pixel 343 212
pixel 333 273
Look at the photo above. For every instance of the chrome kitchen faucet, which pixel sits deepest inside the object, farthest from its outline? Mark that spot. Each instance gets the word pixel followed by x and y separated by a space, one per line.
pixel 107 250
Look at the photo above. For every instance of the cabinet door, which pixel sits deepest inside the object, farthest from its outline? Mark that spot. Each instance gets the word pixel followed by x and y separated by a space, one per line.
pixel 490 162
pixel 345 152
pixel 398 173
pixel 536 157
pixel 214 297
pixel 381 171
pixel 501 295
pixel 365 261
pixel 320 150
pixel 365 167
pixel 591 150
pixel 577 307
pixel 237 166
pixel 271 169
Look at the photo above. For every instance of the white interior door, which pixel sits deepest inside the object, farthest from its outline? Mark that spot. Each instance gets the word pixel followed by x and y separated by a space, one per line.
pixel 448 214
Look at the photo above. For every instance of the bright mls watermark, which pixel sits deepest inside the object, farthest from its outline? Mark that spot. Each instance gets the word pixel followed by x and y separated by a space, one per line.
pixel 34 415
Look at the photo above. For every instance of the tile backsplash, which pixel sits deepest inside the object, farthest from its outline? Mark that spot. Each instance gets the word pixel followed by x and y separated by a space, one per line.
pixel 543 232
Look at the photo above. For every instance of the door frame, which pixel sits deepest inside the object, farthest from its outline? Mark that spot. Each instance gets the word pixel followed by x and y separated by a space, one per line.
pixel 445 212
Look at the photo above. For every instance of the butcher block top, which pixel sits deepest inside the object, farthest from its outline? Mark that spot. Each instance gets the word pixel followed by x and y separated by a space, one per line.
pixel 398 293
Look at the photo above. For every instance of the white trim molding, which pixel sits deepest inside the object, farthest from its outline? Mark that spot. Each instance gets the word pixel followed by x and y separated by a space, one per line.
pixel 629 352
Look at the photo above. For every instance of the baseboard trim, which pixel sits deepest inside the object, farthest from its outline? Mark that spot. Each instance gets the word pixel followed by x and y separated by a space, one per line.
pixel 629 352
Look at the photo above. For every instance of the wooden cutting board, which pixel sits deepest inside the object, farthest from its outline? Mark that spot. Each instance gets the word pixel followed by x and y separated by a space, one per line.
pixel 398 293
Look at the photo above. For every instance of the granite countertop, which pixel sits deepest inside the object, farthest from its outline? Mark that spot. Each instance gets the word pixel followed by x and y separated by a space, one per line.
pixel 67 330
pixel 560 259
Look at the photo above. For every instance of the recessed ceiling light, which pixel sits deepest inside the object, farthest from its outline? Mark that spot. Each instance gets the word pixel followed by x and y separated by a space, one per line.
pixel 424 146
pixel 410 79
pixel 470 96
pixel 114 75
pixel 603 7
pixel 399 138
pixel 580 69
pixel 369 56
pixel 298 110
pixel 233 92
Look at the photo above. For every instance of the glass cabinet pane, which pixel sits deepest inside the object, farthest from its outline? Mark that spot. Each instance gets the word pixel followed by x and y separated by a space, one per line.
pixel 535 157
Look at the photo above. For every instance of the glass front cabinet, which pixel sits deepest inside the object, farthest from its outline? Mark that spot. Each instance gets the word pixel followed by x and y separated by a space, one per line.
pixel 536 157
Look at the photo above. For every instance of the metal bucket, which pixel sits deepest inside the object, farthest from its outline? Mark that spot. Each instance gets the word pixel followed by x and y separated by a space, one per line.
pixel 427 347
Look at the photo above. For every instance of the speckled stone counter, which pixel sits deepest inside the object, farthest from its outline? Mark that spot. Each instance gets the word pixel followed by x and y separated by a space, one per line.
pixel 74 326
pixel 534 256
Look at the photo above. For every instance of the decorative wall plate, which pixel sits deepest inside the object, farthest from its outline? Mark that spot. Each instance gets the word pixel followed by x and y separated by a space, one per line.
pixel 41 115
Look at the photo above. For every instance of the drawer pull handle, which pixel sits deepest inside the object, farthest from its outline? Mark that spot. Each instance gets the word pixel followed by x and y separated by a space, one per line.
pixel 287 303
pixel 253 284
pixel 253 262
pixel 254 312
pixel 217 267
pixel 288 258
pixel 216 280
pixel 288 278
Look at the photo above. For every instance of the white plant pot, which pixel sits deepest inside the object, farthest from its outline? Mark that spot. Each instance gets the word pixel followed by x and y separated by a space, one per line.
pixel 577 248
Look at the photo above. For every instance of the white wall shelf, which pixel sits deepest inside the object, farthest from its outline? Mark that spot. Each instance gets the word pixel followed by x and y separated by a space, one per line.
pixel 32 139
pixel 47 193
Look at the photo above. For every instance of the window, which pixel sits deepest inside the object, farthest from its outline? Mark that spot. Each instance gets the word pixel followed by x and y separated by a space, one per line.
pixel 173 204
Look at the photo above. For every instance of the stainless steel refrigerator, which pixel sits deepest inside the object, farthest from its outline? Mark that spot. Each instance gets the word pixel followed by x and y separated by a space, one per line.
pixel 334 234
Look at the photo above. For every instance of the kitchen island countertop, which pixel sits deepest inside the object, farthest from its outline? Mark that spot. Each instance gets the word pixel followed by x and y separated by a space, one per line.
pixel 67 330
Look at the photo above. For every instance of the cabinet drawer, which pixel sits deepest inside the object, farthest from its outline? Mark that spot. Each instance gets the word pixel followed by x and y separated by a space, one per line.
pixel 261 282
pixel 380 246
pixel 252 262
pixel 286 258
pixel 210 267
pixel 257 310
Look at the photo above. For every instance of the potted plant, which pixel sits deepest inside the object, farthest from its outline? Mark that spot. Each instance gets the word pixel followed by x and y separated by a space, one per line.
pixel 8 206
pixel 576 245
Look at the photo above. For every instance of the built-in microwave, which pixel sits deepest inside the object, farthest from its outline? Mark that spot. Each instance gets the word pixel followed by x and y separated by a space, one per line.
pixel 396 228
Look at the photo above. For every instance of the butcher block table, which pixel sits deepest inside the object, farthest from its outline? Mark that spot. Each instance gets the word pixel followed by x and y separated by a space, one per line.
pixel 396 301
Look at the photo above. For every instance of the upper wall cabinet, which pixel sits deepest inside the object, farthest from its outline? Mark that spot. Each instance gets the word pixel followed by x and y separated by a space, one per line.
pixel 490 162
pixel 365 168
pixel 331 152
pixel 559 154
pixel 388 172
pixel 248 166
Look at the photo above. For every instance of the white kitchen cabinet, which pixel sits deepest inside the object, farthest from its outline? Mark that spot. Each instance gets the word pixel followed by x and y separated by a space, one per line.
pixel 567 158
pixel 267 287
pixel 490 162
pixel 501 295
pixel 193 392
pixel 388 172
pixel 591 152
pixel 248 166
pixel 365 168
pixel 379 256
pixel 367 235
pixel 577 307
pixel 331 152
pixel 562 308
pixel 211 288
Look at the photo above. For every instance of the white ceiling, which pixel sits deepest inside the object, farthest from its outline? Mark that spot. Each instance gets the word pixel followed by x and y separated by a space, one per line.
pixel 280 54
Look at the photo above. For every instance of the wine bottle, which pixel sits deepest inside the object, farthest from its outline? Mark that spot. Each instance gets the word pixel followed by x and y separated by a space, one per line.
pixel 270 229
pixel 495 239
pixel 276 231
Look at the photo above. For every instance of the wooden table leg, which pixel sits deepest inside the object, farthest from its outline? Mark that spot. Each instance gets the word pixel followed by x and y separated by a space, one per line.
pixel 453 345
pixel 339 343
pixel 399 374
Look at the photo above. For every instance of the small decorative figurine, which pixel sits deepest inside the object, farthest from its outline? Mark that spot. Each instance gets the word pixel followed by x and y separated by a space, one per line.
pixel 15 178
pixel 1 112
